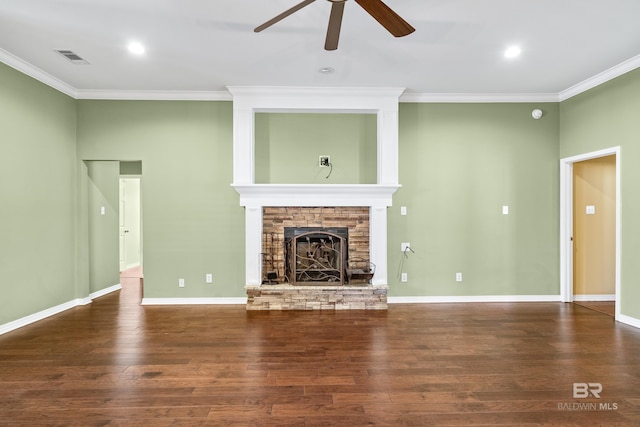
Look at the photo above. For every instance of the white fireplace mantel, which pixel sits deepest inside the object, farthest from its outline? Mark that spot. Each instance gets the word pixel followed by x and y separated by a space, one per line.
pixel 378 197
pixel 372 195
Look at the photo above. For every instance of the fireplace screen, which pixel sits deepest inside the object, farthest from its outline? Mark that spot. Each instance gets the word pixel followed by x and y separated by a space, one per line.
pixel 315 255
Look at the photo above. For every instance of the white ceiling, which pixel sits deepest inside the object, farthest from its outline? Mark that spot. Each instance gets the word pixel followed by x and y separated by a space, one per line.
pixel 202 46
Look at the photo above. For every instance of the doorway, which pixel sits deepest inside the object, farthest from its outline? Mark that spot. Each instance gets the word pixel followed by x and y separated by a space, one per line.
pixel 130 230
pixel 594 209
pixel 129 225
pixel 590 221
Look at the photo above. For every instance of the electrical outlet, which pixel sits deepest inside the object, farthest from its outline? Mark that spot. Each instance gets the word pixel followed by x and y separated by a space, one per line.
pixel 403 210
pixel 505 210
pixel 325 161
pixel 181 283
pixel 458 277
pixel 403 277
pixel 208 278
pixel 404 246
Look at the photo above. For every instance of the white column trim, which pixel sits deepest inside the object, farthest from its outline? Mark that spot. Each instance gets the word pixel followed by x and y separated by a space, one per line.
pixel 253 245
pixel 378 243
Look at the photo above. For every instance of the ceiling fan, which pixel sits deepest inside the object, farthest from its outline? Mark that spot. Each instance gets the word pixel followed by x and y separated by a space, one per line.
pixel 376 8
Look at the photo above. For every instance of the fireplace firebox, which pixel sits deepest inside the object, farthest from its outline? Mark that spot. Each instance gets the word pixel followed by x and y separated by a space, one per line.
pixel 316 255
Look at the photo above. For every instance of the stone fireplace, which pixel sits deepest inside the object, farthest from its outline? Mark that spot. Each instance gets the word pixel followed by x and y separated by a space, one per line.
pixel 326 234
pixel 268 286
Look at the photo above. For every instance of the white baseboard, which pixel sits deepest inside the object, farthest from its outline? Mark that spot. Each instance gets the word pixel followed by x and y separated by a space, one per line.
pixel 105 291
pixel 595 297
pixel 471 298
pixel 628 320
pixel 32 318
pixel 195 301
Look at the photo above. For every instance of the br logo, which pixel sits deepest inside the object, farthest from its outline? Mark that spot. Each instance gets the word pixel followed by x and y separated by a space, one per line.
pixel 584 390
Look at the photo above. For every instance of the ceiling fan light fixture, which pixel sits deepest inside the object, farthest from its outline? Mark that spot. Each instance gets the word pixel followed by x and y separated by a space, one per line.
pixel 378 10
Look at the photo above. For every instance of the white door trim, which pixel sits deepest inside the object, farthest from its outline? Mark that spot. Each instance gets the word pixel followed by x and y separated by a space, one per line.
pixel 566 222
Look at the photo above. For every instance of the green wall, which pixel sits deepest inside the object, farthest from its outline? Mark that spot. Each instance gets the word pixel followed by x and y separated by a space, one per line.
pixel 288 146
pixel 604 117
pixel 459 164
pixel 193 223
pixel 103 191
pixel 38 197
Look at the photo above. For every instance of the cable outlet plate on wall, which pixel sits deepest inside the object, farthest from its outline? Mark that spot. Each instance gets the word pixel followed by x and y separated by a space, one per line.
pixel 324 161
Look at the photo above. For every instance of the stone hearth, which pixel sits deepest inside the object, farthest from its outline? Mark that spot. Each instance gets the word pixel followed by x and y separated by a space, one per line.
pixel 289 297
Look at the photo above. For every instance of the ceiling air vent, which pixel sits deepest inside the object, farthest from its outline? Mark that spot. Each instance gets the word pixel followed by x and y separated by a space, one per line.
pixel 72 56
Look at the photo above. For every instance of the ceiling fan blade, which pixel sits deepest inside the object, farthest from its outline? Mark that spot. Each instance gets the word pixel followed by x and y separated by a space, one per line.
pixel 387 17
pixel 335 22
pixel 283 15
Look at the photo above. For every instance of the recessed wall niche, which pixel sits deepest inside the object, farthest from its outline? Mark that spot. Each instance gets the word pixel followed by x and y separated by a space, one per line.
pixel 288 147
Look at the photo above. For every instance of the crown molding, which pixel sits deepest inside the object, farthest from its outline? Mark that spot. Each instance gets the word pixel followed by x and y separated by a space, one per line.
pixel 479 98
pixel 603 77
pixel 316 91
pixel 154 95
pixel 55 83
pixel 25 68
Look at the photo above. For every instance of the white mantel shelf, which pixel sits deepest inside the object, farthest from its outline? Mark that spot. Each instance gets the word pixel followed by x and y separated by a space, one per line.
pixel 372 195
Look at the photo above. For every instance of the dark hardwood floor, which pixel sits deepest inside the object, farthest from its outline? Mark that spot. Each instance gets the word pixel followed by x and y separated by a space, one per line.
pixel 115 362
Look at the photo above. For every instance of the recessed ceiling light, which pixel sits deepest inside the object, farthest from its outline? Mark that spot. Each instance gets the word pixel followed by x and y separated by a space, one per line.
pixel 326 70
pixel 136 48
pixel 512 52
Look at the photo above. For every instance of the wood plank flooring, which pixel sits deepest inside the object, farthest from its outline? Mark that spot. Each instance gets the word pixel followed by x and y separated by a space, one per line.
pixel 115 362
pixel 605 307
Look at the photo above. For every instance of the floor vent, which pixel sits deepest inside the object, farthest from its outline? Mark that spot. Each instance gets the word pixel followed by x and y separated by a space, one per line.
pixel 72 56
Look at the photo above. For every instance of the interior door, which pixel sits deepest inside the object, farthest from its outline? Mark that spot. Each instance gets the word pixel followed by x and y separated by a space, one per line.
pixel 594 222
